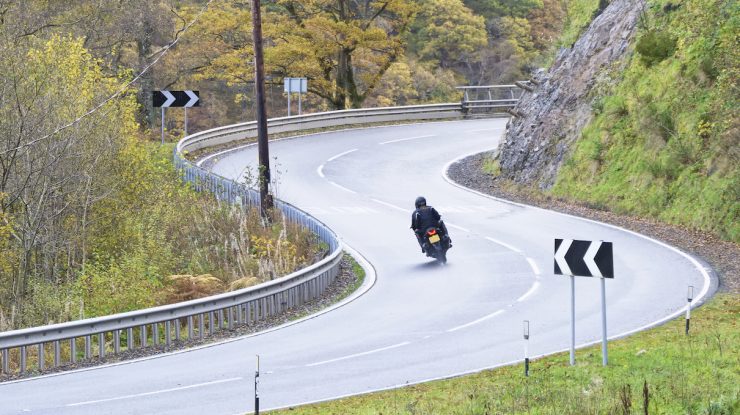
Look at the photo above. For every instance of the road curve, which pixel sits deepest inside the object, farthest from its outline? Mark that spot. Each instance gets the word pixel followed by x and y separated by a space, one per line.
pixel 420 321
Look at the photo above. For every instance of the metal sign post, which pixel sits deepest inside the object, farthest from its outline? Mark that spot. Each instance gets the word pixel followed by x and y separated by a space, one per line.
pixel 572 320
pixel 604 351
pixel 585 259
pixel 163 125
pixel 295 85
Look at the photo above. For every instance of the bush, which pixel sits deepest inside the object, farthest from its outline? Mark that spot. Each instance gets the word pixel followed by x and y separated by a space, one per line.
pixel 654 46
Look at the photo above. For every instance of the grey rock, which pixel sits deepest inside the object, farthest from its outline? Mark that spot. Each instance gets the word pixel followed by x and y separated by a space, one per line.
pixel 555 113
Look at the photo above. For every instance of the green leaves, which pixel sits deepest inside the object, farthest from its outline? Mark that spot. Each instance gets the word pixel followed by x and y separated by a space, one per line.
pixel 654 46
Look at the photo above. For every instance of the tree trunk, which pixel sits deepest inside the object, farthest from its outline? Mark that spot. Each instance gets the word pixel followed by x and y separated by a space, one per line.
pixel 144 49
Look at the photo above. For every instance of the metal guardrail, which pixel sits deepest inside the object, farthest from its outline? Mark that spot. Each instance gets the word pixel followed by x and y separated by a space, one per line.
pixel 162 325
pixel 230 133
pixel 490 98
pixel 157 326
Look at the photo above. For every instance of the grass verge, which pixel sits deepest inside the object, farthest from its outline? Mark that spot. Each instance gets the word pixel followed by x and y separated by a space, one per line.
pixel 660 371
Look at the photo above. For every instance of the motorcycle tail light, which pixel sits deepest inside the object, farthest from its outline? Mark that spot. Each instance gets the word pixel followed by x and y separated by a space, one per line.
pixel 431 232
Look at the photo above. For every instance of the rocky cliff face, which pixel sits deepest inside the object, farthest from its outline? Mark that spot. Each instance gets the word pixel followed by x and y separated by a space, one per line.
pixel 551 116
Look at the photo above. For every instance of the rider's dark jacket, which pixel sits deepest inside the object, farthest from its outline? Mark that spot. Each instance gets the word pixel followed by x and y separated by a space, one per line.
pixel 424 218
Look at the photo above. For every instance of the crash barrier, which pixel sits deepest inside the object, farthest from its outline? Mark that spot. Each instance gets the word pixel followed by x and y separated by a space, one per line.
pixel 238 132
pixel 58 344
pixel 487 99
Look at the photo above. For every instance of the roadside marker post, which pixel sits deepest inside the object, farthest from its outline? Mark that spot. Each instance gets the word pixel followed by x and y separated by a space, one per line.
pixel 526 348
pixel 690 298
pixel 585 259
pixel 256 388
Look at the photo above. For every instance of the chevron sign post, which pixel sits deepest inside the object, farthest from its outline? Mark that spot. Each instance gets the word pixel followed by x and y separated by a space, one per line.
pixel 184 99
pixel 585 259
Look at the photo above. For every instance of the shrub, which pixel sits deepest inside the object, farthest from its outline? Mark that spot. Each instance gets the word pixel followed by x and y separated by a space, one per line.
pixel 654 46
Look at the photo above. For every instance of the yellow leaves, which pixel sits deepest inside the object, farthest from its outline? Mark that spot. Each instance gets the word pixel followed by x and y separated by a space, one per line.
pixel 704 129
pixel 305 39
pixel 7 256
pixel 447 30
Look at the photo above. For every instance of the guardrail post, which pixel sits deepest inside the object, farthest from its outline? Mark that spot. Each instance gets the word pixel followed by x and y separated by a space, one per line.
pixel 231 318
pixel 57 353
pixel 101 345
pixel 24 361
pixel 220 319
pixel 73 350
pixel 42 363
pixel 88 347
pixel 201 325
pixel 6 367
pixel 130 338
pixel 240 314
pixel 211 318
pixel 116 341
pixel 177 329
pixel 155 333
pixel 190 328
pixel 142 335
pixel 167 333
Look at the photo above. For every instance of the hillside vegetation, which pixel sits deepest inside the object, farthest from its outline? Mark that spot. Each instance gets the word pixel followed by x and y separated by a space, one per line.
pixel 93 218
pixel 665 138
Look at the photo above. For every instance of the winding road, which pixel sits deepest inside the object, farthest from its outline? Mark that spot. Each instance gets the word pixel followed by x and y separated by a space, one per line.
pixel 417 320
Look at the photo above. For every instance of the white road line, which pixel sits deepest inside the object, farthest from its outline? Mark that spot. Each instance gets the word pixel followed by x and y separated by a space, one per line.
pixel 395 346
pixel 407 139
pixel 534 266
pixel 179 388
pixel 505 245
pixel 480 320
pixel 342 187
pixel 531 290
pixel 341 154
pixel 390 205
pixel 460 228
pixel 320 171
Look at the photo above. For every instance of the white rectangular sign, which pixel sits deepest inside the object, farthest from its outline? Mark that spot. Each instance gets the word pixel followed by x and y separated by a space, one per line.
pixel 292 85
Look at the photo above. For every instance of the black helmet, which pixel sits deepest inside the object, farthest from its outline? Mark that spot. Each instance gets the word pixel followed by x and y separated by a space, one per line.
pixel 420 201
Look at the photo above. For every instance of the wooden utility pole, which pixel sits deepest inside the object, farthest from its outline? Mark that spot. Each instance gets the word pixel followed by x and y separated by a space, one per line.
pixel 259 89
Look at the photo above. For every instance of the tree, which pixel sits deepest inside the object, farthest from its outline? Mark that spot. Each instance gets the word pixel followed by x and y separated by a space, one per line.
pixel 491 9
pixel 51 175
pixel 447 33
pixel 344 47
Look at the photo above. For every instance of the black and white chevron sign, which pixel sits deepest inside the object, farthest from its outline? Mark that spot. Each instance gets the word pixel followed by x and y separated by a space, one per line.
pixel 584 258
pixel 176 98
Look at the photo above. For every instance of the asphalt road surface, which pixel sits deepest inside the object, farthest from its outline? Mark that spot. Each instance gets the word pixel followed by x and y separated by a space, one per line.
pixel 420 320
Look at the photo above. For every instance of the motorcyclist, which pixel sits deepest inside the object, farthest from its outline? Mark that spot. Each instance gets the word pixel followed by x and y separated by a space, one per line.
pixel 425 217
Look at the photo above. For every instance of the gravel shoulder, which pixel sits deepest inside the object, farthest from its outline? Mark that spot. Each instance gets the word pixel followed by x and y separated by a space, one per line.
pixel 722 255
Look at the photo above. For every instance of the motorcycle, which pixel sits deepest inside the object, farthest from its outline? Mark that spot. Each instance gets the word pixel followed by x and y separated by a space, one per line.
pixel 436 244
